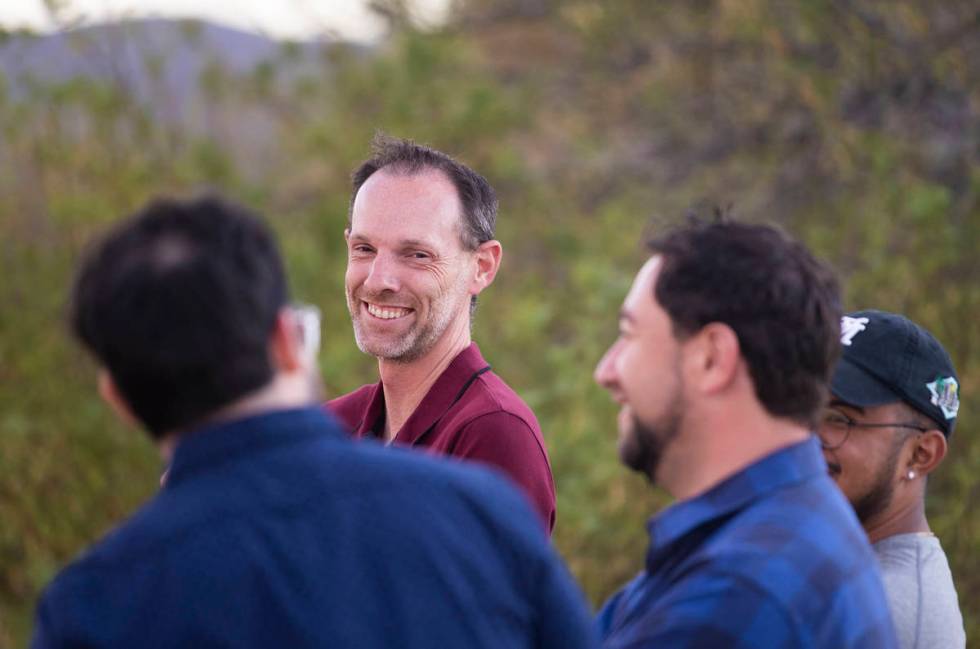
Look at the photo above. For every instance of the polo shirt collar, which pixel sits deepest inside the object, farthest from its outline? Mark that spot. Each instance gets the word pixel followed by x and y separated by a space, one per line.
pixel 214 444
pixel 791 465
pixel 437 401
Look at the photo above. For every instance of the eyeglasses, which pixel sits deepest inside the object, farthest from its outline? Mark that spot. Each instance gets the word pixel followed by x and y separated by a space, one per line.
pixel 308 319
pixel 835 427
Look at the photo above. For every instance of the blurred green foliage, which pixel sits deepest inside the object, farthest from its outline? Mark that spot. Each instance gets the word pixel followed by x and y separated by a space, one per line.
pixel 855 125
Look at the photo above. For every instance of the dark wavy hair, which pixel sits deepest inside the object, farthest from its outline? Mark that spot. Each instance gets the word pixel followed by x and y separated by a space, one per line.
pixel 178 303
pixel 782 303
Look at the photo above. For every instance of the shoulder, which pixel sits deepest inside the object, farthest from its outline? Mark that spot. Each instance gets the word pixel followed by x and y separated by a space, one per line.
pixel 349 408
pixel 920 590
pixel 809 521
pixel 75 601
pixel 806 531
pixel 805 549
pixel 492 407
pixel 500 397
pixel 502 438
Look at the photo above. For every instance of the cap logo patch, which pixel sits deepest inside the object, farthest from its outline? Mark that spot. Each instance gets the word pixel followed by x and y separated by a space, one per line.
pixel 945 394
pixel 850 327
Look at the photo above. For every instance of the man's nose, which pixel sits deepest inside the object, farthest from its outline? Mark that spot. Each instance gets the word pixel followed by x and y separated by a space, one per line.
pixel 605 371
pixel 382 276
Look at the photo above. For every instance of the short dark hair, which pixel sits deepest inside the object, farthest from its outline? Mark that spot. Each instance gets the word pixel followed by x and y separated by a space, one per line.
pixel 477 197
pixel 782 303
pixel 178 303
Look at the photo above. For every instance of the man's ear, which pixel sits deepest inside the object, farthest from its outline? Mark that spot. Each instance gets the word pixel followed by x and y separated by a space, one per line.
pixel 928 450
pixel 714 355
pixel 285 344
pixel 111 395
pixel 488 255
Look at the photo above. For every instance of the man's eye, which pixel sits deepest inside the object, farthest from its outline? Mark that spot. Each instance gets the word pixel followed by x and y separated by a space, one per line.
pixel 838 421
pixel 420 255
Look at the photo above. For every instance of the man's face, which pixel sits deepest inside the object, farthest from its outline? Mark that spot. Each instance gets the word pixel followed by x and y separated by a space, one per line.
pixel 408 275
pixel 866 465
pixel 642 372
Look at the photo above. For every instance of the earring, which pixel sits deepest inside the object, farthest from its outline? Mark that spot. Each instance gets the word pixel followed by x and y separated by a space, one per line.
pixel 911 475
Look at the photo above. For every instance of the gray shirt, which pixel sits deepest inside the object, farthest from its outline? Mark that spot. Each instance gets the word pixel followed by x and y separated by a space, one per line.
pixel 920 592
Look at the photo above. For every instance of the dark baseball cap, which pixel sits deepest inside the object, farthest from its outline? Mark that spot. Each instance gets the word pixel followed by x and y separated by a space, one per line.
pixel 888 358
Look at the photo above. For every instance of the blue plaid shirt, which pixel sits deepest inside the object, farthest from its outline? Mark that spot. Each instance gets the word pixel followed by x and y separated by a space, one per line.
pixel 771 557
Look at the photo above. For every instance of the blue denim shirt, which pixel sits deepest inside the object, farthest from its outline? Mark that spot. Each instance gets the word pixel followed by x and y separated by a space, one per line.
pixel 771 557
pixel 279 531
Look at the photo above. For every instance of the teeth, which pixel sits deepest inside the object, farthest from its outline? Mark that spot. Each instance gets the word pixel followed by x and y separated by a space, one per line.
pixel 387 312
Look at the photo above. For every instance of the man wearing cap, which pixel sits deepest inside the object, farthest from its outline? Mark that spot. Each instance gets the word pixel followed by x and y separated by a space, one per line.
pixel 420 249
pixel 894 402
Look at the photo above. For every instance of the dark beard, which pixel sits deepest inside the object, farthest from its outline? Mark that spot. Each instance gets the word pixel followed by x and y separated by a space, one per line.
pixel 650 442
pixel 879 497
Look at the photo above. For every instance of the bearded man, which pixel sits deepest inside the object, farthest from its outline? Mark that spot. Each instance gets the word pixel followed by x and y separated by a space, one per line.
pixel 727 341
pixel 895 397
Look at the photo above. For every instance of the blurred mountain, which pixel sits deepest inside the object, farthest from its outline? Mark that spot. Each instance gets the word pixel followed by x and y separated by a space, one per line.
pixel 156 59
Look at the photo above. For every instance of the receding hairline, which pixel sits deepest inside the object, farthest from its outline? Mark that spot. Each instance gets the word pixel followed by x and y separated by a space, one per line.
pixel 407 171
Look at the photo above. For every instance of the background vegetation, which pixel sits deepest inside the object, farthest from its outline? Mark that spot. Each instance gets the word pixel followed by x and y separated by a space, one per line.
pixel 856 125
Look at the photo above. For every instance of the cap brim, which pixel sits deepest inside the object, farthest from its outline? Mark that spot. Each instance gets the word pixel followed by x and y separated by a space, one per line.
pixel 856 386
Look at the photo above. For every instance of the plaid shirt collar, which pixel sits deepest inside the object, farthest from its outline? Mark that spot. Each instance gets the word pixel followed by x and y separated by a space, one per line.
pixel 788 466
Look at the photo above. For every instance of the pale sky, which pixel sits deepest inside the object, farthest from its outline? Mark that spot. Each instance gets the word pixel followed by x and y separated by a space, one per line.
pixel 279 18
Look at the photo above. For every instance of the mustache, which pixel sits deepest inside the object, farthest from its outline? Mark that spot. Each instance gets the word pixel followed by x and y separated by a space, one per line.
pixel 381 299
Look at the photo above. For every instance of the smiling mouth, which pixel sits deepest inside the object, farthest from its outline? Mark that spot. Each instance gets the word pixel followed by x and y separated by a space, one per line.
pixel 833 469
pixel 386 312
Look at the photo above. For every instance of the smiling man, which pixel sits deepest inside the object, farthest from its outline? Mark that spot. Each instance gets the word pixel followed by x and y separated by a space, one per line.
pixel 727 340
pixel 895 401
pixel 273 528
pixel 420 249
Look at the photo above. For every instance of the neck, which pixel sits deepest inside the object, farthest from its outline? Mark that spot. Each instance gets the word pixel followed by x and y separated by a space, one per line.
pixel 283 392
pixel 698 460
pixel 406 384
pixel 900 518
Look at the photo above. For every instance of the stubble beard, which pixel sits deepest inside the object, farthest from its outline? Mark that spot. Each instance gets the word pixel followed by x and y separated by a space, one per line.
pixel 416 342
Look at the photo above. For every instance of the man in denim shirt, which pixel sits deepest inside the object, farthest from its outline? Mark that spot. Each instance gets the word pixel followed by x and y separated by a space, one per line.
pixel 273 528
pixel 727 339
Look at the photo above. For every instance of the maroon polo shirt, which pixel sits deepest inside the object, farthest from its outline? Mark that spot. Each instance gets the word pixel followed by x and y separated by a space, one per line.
pixel 468 413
